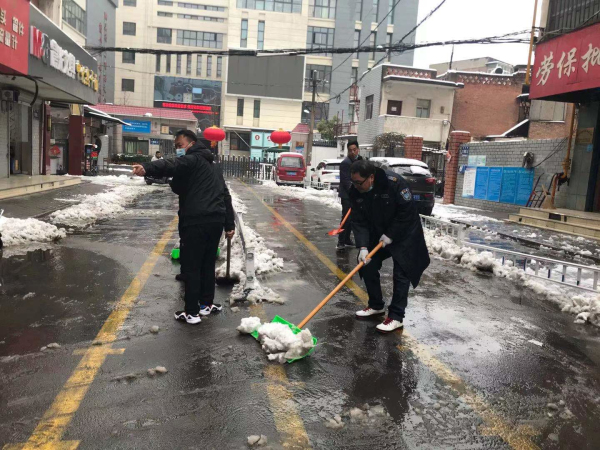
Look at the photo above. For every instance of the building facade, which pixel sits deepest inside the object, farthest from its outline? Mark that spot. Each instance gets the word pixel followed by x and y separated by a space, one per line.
pixel 406 100
pixel 201 84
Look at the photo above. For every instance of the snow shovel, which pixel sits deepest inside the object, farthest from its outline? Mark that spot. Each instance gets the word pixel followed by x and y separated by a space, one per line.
pixel 176 253
pixel 227 280
pixel 297 329
pixel 340 229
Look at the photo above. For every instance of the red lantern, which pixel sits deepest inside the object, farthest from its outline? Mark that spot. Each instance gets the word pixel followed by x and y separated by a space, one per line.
pixel 281 137
pixel 214 134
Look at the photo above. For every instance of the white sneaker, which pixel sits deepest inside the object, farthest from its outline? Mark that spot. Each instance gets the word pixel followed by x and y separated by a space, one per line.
pixel 389 325
pixel 368 312
pixel 189 318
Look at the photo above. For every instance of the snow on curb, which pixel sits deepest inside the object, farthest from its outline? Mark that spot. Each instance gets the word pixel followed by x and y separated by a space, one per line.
pixel 105 205
pixel 26 231
pixel 326 197
pixel 265 261
pixel 586 307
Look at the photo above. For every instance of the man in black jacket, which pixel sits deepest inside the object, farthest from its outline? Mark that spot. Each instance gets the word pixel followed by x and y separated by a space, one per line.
pixel 344 239
pixel 383 210
pixel 204 210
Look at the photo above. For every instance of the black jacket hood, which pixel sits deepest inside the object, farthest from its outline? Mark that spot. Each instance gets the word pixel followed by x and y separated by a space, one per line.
pixel 202 151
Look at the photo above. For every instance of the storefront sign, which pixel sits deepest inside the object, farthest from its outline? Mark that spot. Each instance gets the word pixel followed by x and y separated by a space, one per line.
pixel 138 126
pixel 58 61
pixel 14 35
pixel 568 63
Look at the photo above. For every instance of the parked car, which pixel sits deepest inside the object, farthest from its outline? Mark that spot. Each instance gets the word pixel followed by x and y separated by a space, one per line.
pixel 327 171
pixel 290 169
pixel 419 178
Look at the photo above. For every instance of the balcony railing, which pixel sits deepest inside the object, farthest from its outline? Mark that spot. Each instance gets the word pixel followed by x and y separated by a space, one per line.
pixel 345 129
pixel 566 15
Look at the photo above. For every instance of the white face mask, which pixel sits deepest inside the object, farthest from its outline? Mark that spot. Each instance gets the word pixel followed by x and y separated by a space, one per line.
pixel 370 189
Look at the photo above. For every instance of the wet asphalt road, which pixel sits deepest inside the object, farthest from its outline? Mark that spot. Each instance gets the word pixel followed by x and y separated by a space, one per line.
pixel 462 375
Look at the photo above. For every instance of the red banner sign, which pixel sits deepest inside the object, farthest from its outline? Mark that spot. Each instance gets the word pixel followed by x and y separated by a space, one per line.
pixel 14 36
pixel 195 108
pixel 569 63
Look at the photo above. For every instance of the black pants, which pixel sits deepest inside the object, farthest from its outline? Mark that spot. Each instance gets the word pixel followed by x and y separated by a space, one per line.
pixel 344 236
pixel 200 243
pixel 370 275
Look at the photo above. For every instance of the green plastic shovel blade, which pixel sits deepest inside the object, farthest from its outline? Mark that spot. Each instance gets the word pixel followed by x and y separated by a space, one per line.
pixel 295 330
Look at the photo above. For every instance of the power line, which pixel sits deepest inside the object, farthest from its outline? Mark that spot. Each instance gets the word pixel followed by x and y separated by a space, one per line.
pixel 368 35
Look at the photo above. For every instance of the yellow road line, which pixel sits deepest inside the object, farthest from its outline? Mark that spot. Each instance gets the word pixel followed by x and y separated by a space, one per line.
pixel 285 413
pixel 48 434
pixel 518 438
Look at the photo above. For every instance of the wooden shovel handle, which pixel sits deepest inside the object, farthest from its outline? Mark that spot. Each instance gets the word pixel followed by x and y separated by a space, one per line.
pixel 345 218
pixel 338 287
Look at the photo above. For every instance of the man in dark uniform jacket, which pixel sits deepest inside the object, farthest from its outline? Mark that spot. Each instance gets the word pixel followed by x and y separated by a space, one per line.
pixel 204 211
pixel 344 239
pixel 383 210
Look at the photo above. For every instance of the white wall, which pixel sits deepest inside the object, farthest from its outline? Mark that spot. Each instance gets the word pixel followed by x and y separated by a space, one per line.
pixel 274 113
pixel 408 93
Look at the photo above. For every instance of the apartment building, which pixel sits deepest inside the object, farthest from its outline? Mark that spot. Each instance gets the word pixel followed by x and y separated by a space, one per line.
pixel 199 83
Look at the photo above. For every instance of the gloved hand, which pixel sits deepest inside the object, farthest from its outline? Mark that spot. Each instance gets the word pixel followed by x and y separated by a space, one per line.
pixel 386 240
pixel 362 256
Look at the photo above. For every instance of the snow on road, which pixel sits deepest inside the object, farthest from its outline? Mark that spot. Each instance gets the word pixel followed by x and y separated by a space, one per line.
pixel 106 205
pixel 25 231
pixel 265 261
pixel 324 196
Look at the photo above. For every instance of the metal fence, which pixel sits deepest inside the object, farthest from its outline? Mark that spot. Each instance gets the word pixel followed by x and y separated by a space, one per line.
pixel 243 167
pixel 565 273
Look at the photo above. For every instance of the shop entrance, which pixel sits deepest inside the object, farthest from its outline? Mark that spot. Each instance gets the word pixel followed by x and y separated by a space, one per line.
pixel 19 127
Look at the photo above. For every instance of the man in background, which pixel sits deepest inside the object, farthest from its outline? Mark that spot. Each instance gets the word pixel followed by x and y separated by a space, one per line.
pixel 204 211
pixel 156 156
pixel 344 239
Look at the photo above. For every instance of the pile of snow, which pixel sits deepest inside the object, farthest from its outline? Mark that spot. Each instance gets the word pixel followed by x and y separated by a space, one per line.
pixel 324 196
pixel 26 231
pixel 115 180
pixel 96 207
pixel 278 340
pixel 265 261
pixel 462 213
pixel 586 307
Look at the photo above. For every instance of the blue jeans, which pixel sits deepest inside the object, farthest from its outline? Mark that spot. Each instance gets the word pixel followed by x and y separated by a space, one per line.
pixel 370 275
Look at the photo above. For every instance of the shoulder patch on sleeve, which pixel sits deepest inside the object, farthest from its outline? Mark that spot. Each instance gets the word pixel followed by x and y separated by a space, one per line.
pixel 394 179
pixel 406 195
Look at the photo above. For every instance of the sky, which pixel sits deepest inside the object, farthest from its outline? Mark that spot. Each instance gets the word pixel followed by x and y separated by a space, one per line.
pixel 464 19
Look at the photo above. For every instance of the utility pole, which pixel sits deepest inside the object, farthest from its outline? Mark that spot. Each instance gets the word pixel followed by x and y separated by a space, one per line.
pixel 531 39
pixel 311 129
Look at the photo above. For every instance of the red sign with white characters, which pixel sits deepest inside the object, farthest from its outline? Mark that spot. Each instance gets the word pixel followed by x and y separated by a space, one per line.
pixel 14 36
pixel 568 63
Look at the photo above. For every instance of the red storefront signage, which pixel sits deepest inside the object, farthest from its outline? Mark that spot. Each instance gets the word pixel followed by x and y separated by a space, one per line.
pixel 195 108
pixel 569 63
pixel 14 36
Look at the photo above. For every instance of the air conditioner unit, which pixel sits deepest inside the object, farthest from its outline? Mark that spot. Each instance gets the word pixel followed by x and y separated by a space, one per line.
pixel 10 96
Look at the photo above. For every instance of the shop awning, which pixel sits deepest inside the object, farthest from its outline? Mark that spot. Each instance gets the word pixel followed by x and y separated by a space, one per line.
pixel 93 112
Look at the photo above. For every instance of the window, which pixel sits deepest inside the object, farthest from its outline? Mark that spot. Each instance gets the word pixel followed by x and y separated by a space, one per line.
pixel 256 109
pixel 196 6
pixel 135 146
pixel 321 112
pixel 75 16
pixel 129 28
pixel 392 13
pixel 357 41
pixel 199 66
pixel 376 10
pixel 158 63
pixel 372 41
pixel 389 44
pixel 318 37
pixel 286 6
pixel 169 63
pixel 351 107
pixel 164 35
pixel 209 66
pixel 354 75
pixel 127 85
pixel 178 66
pixel 394 108
pixel 261 35
pixel 199 39
pixel 164 14
pixel 323 75
pixel 205 18
pixel 564 16
pixel 324 9
pixel 188 67
pixel 240 107
pixel 165 3
pixel 244 34
pixel 358 10
pixel 369 107
pixel 292 161
pixel 219 66
pixel 423 108
pixel 129 2
pixel 239 141
pixel 128 58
